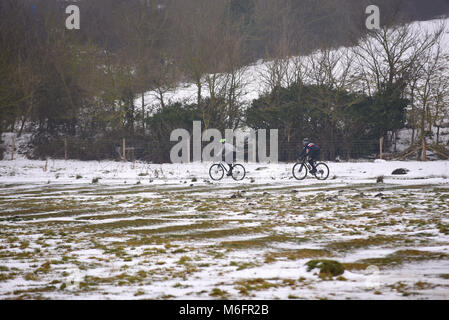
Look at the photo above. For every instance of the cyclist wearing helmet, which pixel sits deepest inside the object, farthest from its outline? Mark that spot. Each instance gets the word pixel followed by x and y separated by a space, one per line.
pixel 228 151
pixel 312 151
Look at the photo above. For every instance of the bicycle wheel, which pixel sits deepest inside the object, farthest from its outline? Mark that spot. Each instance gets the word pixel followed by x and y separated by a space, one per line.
pixel 299 171
pixel 322 171
pixel 216 172
pixel 238 172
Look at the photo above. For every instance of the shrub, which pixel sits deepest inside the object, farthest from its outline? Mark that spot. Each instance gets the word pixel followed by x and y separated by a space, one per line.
pixel 328 268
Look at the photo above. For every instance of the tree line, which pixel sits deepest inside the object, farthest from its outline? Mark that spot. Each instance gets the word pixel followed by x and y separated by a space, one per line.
pixel 82 85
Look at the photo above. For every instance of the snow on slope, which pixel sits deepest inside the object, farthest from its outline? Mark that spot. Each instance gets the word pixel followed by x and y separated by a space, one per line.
pixel 254 84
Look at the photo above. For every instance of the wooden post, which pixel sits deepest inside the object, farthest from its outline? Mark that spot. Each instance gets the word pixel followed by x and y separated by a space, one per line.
pixel 424 149
pixel 143 113
pixel 124 150
pixel 13 146
pixel 65 148
pixel 381 143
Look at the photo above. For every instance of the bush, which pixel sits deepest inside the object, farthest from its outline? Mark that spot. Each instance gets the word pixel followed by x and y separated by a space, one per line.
pixel 328 268
pixel 82 148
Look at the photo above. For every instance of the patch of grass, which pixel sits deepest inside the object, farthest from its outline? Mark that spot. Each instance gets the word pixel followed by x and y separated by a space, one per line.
pixel 24 244
pixel 396 210
pixel 139 293
pixel 401 288
pixel 184 259
pixel 31 276
pixel 44 268
pixel 120 279
pixel 35 290
pixel 405 256
pixel 444 228
pixel 256 284
pixel 7 276
pixel 355 266
pixel 259 242
pixel 297 254
pixel 219 293
pixel 328 268
pixel 243 265
pixel 179 251
pixel 424 285
pixel 206 207
pixel 365 242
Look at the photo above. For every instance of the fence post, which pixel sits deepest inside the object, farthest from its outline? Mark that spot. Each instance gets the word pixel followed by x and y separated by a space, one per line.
pixel 381 144
pixel 13 146
pixel 65 148
pixel 124 150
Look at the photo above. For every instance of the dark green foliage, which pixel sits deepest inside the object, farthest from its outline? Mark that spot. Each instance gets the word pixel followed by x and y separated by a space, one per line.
pixel 328 268
pixel 387 112
pixel 162 123
pixel 342 123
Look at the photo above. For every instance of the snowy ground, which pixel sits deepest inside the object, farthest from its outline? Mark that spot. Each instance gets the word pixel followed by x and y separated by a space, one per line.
pixel 166 231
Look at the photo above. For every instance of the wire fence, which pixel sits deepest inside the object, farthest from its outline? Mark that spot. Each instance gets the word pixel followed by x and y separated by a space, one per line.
pixel 139 148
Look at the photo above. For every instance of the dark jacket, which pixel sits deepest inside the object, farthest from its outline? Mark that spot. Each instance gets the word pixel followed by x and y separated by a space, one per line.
pixel 310 149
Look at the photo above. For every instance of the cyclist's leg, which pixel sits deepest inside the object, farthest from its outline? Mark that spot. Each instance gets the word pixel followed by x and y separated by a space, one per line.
pixel 312 161
pixel 230 169
pixel 228 158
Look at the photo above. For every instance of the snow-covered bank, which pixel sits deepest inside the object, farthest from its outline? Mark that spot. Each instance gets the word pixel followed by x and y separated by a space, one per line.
pixel 253 79
pixel 112 172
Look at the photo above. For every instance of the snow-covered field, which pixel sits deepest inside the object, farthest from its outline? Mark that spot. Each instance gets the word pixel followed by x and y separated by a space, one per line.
pixel 166 231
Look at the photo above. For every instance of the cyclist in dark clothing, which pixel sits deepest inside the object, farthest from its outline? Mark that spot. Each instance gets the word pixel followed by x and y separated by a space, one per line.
pixel 312 151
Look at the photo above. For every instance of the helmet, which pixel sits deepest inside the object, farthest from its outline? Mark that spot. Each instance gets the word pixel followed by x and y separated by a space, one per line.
pixel 306 141
pixel 222 140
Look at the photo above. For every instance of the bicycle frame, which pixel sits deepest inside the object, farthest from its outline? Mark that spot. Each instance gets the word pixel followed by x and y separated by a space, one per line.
pixel 306 163
pixel 224 167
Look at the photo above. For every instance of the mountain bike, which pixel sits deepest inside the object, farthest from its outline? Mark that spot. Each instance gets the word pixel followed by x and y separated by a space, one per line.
pixel 217 171
pixel 302 167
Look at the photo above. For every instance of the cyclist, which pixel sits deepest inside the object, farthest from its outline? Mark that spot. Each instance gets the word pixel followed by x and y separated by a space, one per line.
pixel 312 151
pixel 228 151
